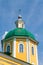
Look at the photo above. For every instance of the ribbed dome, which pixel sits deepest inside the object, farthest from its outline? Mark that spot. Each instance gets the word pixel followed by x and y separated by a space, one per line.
pixel 19 32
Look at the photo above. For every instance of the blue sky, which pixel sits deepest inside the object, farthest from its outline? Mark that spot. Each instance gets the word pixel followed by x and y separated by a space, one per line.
pixel 32 13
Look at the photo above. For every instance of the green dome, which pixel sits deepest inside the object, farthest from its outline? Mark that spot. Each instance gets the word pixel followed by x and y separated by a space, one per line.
pixel 19 32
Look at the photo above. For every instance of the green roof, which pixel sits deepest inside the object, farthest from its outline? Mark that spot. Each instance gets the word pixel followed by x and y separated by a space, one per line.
pixel 19 32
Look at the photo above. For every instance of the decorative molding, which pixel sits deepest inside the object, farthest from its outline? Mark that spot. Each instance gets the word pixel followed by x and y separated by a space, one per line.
pixel 28 50
pixel 14 48
pixel 32 45
pixel 36 54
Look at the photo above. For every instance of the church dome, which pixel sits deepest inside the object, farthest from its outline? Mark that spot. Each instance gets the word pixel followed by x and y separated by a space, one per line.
pixel 19 32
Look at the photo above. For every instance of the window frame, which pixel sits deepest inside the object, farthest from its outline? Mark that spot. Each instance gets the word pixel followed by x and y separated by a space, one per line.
pixel 7 46
pixel 32 48
pixel 19 45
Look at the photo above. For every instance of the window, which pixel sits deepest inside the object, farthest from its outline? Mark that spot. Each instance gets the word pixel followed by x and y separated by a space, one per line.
pixel 32 50
pixel 8 49
pixel 21 48
pixel 19 25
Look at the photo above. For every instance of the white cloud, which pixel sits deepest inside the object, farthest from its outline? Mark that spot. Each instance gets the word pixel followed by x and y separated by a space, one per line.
pixel 36 35
pixel 4 35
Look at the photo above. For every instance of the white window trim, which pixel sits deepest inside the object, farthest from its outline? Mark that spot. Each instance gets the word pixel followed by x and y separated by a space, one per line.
pixel 32 45
pixel 8 44
pixel 21 42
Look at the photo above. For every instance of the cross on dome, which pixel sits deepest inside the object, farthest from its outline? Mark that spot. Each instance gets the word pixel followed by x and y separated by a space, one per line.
pixel 20 23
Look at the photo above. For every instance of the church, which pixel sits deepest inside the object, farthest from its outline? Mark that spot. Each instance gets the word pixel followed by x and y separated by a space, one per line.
pixel 19 46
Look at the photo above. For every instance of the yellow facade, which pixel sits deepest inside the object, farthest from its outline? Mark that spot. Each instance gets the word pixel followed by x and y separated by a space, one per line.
pixel 33 58
pixel 22 56
pixel 4 61
pixel 10 43
pixel 9 60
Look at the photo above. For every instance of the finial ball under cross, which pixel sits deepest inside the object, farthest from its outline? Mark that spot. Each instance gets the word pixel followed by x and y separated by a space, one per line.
pixel 19 17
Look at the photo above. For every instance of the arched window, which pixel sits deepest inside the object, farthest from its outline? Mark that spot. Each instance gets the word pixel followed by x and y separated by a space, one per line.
pixel 21 48
pixel 8 49
pixel 32 50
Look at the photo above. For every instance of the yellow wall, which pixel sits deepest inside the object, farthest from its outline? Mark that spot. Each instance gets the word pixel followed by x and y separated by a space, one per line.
pixel 33 57
pixel 23 56
pixel 4 61
pixel 19 55
pixel 8 42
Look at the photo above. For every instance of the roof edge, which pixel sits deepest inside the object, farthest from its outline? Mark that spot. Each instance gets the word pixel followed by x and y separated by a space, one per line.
pixel 21 37
pixel 13 59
